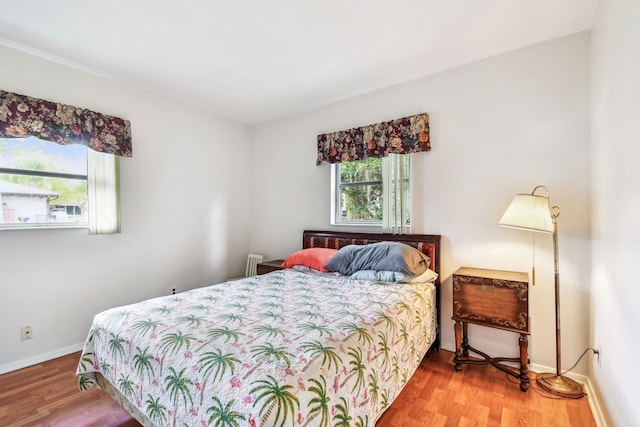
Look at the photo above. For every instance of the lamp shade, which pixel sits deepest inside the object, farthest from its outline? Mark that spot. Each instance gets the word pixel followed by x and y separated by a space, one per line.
pixel 528 212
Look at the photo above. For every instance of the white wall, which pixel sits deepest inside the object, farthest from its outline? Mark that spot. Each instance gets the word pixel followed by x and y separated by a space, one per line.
pixel 184 215
pixel 615 111
pixel 498 127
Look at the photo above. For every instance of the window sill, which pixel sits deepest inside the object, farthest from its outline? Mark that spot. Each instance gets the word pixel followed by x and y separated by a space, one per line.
pixel 375 228
pixel 43 227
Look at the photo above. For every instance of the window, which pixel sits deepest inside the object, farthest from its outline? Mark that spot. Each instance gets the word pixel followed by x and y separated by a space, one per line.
pixel 374 191
pixel 358 192
pixel 42 183
pixel 49 185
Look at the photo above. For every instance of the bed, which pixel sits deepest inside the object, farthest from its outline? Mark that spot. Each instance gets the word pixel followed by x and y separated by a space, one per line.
pixel 295 346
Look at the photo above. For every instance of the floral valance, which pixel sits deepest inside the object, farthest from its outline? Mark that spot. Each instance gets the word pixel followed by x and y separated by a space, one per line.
pixel 401 136
pixel 22 116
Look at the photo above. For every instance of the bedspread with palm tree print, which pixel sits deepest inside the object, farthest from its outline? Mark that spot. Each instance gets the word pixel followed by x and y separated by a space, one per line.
pixel 287 348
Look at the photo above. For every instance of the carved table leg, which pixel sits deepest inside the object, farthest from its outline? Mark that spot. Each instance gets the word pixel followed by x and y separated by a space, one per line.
pixel 458 333
pixel 465 339
pixel 524 359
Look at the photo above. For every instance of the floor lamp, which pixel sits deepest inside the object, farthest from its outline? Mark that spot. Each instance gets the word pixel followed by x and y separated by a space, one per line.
pixel 532 212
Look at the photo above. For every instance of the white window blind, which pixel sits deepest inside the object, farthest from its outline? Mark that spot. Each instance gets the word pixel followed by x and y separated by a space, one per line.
pixel 396 171
pixel 103 193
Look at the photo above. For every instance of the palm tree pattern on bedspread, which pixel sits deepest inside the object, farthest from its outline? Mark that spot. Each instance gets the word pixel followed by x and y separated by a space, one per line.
pixel 284 349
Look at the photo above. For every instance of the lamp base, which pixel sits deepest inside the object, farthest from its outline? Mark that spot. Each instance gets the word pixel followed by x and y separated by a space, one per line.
pixel 560 385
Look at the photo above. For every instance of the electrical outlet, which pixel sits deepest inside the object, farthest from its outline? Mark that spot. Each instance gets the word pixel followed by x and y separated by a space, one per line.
pixel 26 333
pixel 597 352
pixel 173 291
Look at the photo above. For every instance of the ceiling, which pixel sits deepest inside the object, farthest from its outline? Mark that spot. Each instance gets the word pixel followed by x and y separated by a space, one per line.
pixel 254 61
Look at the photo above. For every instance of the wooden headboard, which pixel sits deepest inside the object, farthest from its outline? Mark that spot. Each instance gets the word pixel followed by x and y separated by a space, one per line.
pixel 429 244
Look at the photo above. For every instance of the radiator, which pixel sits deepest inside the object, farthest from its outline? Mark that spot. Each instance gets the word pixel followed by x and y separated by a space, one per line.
pixel 252 264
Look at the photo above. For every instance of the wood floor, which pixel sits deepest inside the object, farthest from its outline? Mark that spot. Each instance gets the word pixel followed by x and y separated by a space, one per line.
pixel 47 395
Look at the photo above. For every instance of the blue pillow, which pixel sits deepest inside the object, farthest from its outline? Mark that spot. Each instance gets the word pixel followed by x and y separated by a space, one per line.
pixel 378 276
pixel 394 276
pixel 381 256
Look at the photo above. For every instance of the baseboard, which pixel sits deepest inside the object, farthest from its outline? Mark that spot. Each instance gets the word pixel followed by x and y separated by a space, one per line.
pixel 23 363
pixel 582 379
pixel 595 405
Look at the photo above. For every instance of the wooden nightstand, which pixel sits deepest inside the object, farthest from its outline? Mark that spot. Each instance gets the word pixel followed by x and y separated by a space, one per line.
pixel 269 266
pixel 497 299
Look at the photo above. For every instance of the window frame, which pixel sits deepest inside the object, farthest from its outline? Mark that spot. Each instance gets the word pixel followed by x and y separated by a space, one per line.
pixel 387 190
pixel 336 185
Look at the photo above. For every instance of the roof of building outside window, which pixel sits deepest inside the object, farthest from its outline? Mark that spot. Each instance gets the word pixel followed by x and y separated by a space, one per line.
pixel 12 188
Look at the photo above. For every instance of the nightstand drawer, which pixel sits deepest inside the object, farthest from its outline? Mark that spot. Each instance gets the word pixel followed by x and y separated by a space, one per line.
pixel 269 266
pixel 495 298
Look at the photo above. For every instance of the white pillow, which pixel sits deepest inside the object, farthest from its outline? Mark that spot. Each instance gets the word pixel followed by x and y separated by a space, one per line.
pixel 428 276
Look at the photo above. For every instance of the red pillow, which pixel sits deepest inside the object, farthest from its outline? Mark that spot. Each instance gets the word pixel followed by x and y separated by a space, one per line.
pixel 313 258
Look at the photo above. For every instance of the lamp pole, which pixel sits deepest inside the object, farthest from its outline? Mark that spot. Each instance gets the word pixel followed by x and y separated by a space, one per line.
pixel 556 274
pixel 558 384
